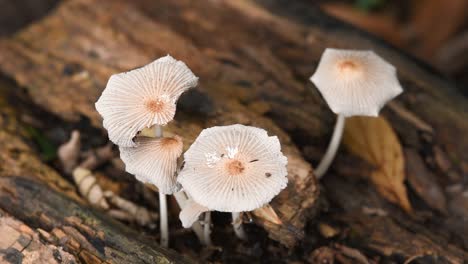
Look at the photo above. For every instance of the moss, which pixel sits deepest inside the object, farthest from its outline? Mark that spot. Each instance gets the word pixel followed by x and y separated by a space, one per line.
pixel 47 150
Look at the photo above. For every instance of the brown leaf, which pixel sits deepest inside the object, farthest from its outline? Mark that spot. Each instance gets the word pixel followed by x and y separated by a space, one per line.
pixel 267 213
pixel 374 140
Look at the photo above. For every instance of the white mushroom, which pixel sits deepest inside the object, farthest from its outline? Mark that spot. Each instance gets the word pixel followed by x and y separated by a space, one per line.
pixel 69 152
pixel 143 97
pixel 154 161
pixel 353 83
pixel 234 169
pixel 191 212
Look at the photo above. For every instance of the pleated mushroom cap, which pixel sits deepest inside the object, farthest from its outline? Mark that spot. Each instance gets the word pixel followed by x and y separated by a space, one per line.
pixel 154 161
pixel 234 168
pixel 356 82
pixel 143 97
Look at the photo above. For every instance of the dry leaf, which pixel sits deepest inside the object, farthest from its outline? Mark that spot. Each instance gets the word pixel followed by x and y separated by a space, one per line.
pixel 267 213
pixel 374 140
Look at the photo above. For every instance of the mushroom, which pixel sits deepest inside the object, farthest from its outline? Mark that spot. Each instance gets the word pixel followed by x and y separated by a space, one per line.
pixel 190 213
pixel 233 169
pixel 143 97
pixel 353 83
pixel 154 161
pixel 69 152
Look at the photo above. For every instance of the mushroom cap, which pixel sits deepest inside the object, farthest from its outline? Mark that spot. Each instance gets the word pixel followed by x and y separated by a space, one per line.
pixel 190 213
pixel 154 161
pixel 234 168
pixel 143 97
pixel 356 82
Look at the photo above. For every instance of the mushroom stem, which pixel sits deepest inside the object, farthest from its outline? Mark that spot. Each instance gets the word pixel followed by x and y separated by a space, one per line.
pixel 332 147
pixel 163 222
pixel 158 131
pixel 237 224
pixel 207 229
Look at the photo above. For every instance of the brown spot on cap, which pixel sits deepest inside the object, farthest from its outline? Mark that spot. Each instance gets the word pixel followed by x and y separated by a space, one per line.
pixel 347 65
pixel 155 105
pixel 170 141
pixel 235 167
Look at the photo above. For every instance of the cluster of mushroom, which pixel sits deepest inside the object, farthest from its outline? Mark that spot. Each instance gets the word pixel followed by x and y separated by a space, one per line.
pixel 232 168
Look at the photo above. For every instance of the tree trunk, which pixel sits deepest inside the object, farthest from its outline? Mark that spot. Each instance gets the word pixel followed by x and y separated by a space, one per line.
pixel 253 59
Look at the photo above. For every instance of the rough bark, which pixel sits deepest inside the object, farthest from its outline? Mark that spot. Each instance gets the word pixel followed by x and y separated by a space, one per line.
pixel 253 59
pixel 51 207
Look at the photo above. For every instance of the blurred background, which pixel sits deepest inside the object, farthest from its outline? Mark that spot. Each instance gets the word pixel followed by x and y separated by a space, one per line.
pixel 435 31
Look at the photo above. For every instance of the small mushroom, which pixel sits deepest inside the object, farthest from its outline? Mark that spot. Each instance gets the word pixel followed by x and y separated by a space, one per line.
pixel 219 173
pixel 191 212
pixel 154 161
pixel 69 152
pixel 143 97
pixel 353 83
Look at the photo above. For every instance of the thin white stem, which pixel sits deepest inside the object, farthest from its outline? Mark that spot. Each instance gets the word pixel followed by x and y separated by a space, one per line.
pixel 163 221
pixel 332 147
pixel 158 131
pixel 207 229
pixel 238 228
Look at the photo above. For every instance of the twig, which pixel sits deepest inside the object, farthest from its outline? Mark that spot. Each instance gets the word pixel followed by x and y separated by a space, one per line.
pixel 410 117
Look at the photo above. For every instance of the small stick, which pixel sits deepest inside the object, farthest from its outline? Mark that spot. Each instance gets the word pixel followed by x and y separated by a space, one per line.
pixel 410 117
pixel 140 214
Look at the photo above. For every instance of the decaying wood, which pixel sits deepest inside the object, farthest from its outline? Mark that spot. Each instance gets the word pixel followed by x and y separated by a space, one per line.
pixel 252 71
pixel 21 244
